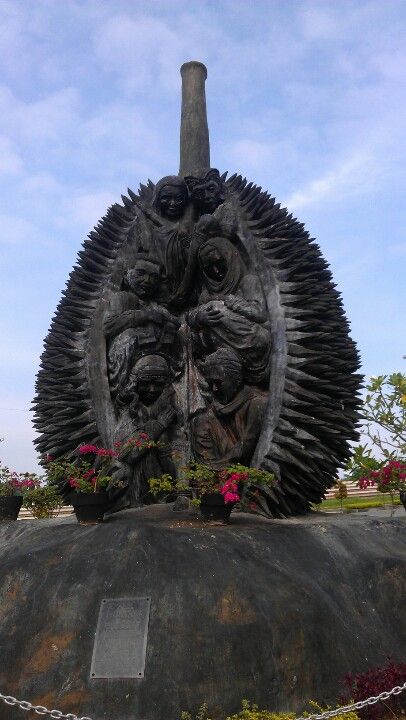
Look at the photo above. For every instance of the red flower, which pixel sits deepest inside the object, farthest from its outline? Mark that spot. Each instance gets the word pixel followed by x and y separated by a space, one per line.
pixel 105 453
pixel 230 497
pixel 84 449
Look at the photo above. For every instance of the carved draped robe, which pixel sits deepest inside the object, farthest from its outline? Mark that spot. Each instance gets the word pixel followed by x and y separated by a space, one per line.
pixel 243 325
pixel 134 469
pixel 225 434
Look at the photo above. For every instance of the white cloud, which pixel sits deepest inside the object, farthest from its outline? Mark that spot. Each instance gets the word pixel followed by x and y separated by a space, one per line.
pixel 41 184
pixel 353 176
pixel 18 358
pixel 398 248
pixel 41 120
pixel 86 210
pixel 251 153
pixel 321 22
pixel 16 230
pixel 11 162
pixel 145 51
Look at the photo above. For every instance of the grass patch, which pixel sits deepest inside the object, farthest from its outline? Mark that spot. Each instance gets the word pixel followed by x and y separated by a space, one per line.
pixel 357 503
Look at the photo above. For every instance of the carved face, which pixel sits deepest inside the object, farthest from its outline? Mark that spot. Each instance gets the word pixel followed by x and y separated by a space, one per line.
pixel 214 264
pixel 172 202
pixel 149 389
pixel 223 386
pixel 207 196
pixel 143 279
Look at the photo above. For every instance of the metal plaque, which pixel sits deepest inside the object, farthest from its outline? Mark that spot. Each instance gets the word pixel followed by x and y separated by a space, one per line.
pixel 121 638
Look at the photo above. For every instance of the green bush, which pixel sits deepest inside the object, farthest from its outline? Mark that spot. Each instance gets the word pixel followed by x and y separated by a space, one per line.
pixel 253 712
pixel 43 501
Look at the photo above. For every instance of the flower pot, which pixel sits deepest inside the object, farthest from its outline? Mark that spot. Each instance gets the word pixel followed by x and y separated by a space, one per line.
pixel 89 507
pixel 402 496
pixel 10 506
pixel 213 507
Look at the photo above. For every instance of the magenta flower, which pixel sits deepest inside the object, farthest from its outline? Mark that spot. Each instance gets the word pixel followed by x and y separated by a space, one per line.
pixel 88 449
pixel 231 497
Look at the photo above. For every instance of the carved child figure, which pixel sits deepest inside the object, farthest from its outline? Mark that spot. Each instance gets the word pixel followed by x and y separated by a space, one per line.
pixel 135 324
pixel 149 407
pixel 206 193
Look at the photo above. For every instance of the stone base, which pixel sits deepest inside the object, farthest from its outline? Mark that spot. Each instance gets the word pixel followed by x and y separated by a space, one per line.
pixel 275 611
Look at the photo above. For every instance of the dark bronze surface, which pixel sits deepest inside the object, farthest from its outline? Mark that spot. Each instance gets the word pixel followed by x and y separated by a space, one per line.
pixel 202 313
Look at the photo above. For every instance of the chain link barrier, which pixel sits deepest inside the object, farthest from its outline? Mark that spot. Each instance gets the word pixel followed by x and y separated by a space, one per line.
pixel 59 715
pixel 40 709
pixel 356 706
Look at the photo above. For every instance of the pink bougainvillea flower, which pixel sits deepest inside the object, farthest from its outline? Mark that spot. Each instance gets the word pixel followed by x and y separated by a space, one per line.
pixel 106 453
pixel 230 497
pixel 88 449
pixel 89 473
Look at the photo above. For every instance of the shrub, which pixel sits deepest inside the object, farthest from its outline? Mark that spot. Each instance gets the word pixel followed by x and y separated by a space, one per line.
pixel 43 501
pixel 372 682
pixel 253 712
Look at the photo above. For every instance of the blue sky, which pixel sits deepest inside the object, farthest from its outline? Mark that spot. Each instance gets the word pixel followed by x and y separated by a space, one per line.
pixel 305 98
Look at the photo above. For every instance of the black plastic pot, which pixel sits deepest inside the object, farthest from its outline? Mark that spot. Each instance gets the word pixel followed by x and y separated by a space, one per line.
pixel 402 496
pixel 89 507
pixel 10 506
pixel 213 507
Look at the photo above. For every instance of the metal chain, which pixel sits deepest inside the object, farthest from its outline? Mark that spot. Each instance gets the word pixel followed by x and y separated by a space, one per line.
pixel 356 706
pixel 40 709
pixel 58 715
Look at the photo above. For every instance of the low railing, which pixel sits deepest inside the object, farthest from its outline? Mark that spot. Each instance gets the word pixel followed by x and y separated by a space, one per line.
pixel 59 715
pixel 354 491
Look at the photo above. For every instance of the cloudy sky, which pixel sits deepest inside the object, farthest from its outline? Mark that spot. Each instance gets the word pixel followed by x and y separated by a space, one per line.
pixel 305 98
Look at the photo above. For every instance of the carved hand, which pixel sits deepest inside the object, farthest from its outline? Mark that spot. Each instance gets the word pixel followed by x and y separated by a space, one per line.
pixel 130 318
pixel 166 317
pixel 117 323
pixel 210 314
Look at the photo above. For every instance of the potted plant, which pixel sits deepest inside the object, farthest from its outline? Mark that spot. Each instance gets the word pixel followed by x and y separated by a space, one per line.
pixel 216 492
pixel 390 478
pixel 163 488
pixel 12 486
pixel 87 480
pixel 240 484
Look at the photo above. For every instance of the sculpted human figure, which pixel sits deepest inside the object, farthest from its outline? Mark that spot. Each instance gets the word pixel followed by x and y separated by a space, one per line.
pixel 229 429
pixel 135 324
pixel 171 197
pixel 206 193
pixel 148 406
pixel 172 237
pixel 231 309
